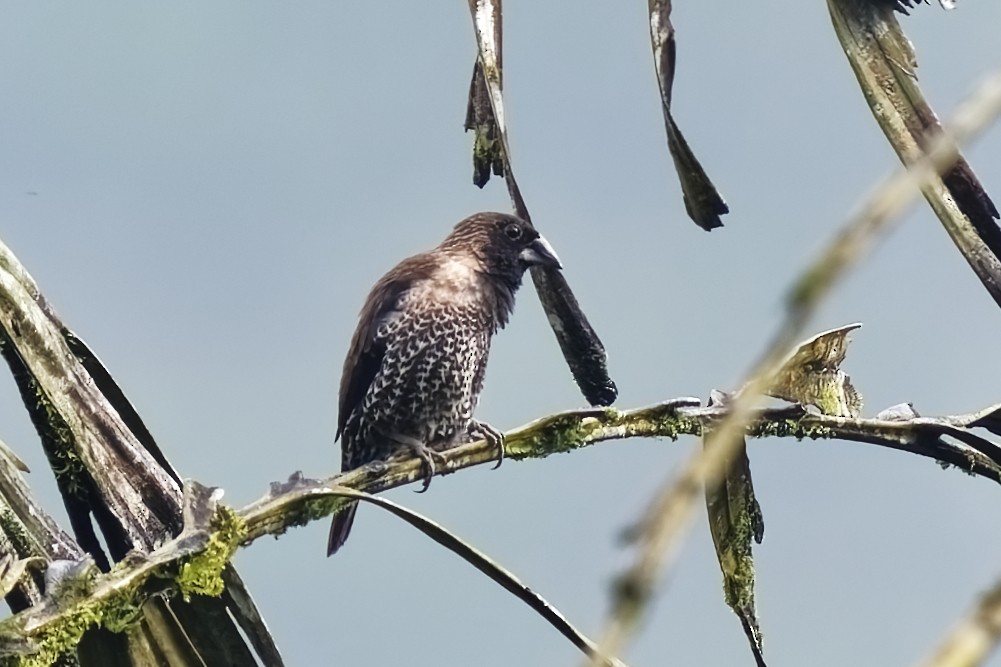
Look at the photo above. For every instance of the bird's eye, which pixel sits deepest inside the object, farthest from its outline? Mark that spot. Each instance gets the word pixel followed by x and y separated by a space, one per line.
pixel 513 231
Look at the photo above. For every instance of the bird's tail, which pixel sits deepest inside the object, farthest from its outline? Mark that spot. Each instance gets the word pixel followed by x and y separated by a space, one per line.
pixel 340 528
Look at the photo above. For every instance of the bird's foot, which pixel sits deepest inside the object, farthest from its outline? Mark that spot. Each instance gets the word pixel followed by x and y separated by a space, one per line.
pixel 427 456
pixel 494 438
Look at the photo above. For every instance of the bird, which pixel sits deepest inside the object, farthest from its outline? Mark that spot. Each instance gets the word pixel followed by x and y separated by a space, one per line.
pixel 414 368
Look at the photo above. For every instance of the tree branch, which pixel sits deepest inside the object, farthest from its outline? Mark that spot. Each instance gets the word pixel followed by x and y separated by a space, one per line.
pixel 670 512
pixel 885 65
pixel 109 469
pixel 581 347
pixel 484 564
pixel 195 560
pixel 567 431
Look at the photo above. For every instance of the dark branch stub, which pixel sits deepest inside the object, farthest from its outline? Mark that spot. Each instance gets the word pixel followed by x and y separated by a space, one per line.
pixel 735 519
pixel 581 347
pixel 703 202
pixel 488 152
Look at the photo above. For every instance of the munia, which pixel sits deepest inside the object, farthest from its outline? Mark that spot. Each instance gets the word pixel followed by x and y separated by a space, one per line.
pixel 414 371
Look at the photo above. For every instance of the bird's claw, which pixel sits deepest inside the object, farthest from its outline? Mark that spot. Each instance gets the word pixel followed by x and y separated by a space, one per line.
pixel 428 457
pixel 494 438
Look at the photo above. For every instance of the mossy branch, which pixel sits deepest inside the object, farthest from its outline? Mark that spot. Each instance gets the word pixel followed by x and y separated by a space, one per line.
pixel 192 563
pixel 195 560
pixel 567 431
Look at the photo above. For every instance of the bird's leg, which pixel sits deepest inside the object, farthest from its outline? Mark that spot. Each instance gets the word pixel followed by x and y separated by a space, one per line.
pixel 495 438
pixel 427 455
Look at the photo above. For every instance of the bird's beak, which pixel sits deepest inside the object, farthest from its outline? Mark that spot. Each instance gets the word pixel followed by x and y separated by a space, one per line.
pixel 540 253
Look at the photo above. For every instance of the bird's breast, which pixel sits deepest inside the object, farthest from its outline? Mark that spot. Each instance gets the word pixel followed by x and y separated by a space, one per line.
pixel 456 284
pixel 432 371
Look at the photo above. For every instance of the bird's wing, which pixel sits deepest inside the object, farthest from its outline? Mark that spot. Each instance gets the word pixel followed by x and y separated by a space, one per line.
pixel 367 348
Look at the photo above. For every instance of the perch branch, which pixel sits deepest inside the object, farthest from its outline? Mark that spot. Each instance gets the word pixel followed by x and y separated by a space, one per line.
pixel 567 431
pixel 193 562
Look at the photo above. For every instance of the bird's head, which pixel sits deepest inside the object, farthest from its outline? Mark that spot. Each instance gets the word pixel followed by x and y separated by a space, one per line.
pixel 497 248
pixel 503 245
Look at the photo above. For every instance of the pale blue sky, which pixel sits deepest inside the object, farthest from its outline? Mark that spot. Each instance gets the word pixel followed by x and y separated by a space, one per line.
pixel 206 191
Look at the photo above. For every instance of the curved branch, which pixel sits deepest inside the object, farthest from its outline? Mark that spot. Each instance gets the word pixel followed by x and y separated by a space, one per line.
pixel 487 566
pixel 195 561
pixel 295 504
